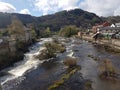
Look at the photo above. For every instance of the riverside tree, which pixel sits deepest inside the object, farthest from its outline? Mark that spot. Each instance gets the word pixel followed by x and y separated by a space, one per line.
pixel 68 31
pixel 46 32
pixel 16 29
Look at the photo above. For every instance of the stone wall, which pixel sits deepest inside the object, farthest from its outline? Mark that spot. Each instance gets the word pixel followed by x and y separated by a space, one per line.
pixel 4 48
pixel 8 47
pixel 110 42
pixel 12 46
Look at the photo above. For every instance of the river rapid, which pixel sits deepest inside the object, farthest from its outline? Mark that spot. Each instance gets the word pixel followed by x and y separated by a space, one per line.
pixel 33 74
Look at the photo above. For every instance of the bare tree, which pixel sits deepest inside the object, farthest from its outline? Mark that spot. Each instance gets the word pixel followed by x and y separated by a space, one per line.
pixel 16 29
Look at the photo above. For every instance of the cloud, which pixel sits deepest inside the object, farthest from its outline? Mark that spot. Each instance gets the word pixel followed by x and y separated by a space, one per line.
pixel 117 11
pixel 47 6
pixel 25 11
pixel 6 7
pixel 101 7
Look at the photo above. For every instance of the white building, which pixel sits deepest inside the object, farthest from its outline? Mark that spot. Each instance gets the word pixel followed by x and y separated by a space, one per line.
pixel 117 24
pixel 113 25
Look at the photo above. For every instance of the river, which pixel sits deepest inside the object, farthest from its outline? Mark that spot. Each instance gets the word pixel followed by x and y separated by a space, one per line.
pixel 33 74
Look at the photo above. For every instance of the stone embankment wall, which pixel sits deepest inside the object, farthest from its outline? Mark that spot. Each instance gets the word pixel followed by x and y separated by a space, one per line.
pixel 4 48
pixel 8 47
pixel 114 43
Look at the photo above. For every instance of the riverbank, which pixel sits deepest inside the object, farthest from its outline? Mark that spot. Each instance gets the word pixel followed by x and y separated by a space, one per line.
pixel 6 59
pixel 111 44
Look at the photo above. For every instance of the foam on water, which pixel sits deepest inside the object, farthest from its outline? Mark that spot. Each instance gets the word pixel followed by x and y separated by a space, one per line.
pixel 28 63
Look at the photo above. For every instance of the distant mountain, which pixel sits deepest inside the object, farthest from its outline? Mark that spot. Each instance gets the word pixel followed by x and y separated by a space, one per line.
pixel 5 19
pixel 76 17
pixel 55 21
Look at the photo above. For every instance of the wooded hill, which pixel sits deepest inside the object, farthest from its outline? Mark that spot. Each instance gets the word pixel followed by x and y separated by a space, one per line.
pixel 77 17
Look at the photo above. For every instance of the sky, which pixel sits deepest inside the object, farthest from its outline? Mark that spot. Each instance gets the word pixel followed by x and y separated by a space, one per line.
pixel 43 7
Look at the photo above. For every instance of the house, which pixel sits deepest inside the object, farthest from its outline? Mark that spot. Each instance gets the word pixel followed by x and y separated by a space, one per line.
pixel 111 31
pixel 97 27
pixel 117 24
pixel 105 24
pixel 112 25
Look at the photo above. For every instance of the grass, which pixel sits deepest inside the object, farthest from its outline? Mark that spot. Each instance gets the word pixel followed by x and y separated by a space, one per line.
pixel 57 83
pixel 72 69
pixel 111 49
pixel 107 70
pixel 70 62
pixel 65 77
pixel 88 85
pixel 93 57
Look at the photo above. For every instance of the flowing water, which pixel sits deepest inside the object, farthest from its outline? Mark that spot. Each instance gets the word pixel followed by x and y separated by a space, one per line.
pixel 33 74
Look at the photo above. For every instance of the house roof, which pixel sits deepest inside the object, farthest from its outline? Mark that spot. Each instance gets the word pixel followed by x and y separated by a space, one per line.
pixel 106 24
pixel 109 28
pixel 117 24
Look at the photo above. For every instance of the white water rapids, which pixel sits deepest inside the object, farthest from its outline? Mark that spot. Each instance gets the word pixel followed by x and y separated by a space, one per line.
pixel 28 63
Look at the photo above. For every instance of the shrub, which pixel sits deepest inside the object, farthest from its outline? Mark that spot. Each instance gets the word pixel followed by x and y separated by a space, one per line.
pixel 70 62
pixel 88 85
pixel 107 70
pixel 93 57
pixel 62 80
pixel 52 49
pixel 68 31
pixel 55 40
pixel 46 33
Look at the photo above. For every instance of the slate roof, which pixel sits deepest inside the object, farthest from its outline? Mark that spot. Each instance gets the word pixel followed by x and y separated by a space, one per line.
pixel 109 28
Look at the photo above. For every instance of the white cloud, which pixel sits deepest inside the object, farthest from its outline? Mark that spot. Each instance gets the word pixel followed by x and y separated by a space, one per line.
pixel 6 7
pixel 102 7
pixel 117 11
pixel 25 11
pixel 46 6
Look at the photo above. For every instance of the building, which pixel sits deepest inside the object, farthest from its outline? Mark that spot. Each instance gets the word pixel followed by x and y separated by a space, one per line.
pixel 112 25
pixel 109 29
pixel 112 31
pixel 117 24
pixel 97 27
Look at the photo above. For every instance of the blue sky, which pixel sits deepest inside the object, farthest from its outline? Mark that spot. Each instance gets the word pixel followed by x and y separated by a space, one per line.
pixel 44 7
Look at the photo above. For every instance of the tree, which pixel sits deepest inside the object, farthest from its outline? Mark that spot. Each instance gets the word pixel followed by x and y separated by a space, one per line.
pixel 68 31
pixel 16 29
pixel 46 32
pixel 31 26
pixel 34 35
